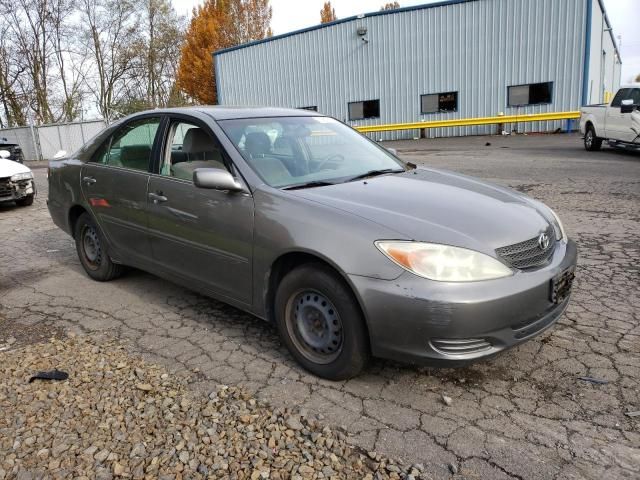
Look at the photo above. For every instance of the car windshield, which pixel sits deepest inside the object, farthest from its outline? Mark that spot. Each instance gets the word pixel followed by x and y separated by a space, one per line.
pixel 289 152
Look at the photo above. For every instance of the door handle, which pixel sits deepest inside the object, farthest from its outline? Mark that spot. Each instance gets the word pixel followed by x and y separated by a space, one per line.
pixel 157 198
pixel 89 180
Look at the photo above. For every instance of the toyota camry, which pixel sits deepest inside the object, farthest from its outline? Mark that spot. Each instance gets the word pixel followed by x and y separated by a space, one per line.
pixel 300 220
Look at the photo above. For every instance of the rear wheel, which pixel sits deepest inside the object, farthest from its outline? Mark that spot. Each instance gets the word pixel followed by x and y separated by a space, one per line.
pixel 92 252
pixel 25 202
pixel 591 142
pixel 320 322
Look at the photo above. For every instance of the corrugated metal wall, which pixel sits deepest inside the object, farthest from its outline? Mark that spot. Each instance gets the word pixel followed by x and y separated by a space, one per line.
pixel 45 141
pixel 476 48
pixel 604 65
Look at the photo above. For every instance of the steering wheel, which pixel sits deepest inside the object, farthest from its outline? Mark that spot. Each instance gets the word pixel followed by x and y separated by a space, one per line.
pixel 335 157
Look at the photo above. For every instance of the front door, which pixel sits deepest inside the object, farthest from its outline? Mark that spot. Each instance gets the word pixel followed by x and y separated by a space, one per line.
pixel 114 184
pixel 632 119
pixel 616 122
pixel 199 234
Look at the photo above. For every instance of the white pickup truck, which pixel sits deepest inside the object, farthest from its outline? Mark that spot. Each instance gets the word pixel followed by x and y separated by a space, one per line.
pixel 618 122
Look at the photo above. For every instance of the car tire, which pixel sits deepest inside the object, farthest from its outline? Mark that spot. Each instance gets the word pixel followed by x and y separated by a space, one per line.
pixel 25 202
pixel 321 323
pixel 591 142
pixel 92 251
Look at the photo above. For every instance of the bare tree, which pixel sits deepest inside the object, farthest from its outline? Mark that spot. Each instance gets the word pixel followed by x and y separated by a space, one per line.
pixel 10 72
pixel 38 41
pixel 70 59
pixel 109 29
pixel 28 22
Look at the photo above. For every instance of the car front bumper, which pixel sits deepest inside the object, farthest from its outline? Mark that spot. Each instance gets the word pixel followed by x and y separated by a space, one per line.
pixel 415 320
pixel 11 191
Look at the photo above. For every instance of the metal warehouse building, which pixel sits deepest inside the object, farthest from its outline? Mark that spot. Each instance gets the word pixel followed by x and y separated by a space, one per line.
pixel 450 60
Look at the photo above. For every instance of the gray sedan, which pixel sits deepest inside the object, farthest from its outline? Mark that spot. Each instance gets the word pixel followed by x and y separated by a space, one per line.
pixel 301 221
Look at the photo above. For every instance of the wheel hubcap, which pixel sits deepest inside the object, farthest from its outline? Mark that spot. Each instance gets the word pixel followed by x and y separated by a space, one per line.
pixel 91 247
pixel 315 326
pixel 589 138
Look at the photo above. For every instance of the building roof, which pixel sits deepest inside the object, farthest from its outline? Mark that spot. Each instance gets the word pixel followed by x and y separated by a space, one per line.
pixel 344 20
pixel 443 3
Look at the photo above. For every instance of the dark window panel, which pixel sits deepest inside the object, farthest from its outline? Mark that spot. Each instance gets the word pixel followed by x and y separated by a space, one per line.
pixel 366 109
pixel 439 102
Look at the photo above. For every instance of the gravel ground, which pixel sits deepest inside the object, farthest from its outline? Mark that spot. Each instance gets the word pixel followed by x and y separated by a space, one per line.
pixel 118 416
pixel 522 415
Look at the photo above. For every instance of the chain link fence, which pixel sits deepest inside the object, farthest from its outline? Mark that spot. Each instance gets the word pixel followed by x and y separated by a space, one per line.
pixel 43 142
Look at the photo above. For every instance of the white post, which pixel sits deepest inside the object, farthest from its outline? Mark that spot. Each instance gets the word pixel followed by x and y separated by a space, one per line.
pixel 36 142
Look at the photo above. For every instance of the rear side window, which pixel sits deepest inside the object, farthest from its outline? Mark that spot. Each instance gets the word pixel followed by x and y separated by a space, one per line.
pixel 130 146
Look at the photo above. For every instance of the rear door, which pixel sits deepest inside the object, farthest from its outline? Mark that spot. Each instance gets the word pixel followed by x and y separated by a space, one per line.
pixel 114 184
pixel 201 235
pixel 616 122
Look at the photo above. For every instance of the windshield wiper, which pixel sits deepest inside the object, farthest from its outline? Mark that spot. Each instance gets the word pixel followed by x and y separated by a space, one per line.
pixel 314 183
pixel 374 173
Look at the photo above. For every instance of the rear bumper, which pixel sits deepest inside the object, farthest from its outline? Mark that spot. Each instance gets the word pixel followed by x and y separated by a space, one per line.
pixel 415 320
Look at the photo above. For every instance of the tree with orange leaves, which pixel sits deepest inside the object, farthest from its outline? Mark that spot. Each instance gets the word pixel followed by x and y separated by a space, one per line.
pixel 328 13
pixel 390 6
pixel 217 24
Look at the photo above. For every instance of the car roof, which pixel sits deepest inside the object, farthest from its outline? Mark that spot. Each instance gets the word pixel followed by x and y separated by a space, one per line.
pixel 233 112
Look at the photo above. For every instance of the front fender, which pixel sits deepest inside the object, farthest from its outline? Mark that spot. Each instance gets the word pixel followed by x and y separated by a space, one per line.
pixel 285 223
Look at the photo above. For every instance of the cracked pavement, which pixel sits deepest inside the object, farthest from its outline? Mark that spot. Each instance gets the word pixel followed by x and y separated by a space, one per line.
pixel 523 414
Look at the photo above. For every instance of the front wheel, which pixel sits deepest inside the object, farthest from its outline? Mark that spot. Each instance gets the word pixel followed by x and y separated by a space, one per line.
pixel 591 142
pixel 92 251
pixel 320 322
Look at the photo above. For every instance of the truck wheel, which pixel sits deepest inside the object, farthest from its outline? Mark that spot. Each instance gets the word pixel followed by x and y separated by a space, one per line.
pixel 591 142
pixel 25 202
pixel 320 322
pixel 92 250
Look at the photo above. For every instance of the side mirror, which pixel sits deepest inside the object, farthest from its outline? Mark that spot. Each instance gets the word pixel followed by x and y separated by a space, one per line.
pixel 626 106
pixel 5 154
pixel 216 179
pixel 60 154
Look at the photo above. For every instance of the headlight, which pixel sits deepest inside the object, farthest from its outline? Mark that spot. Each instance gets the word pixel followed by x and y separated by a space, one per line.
pixel 21 176
pixel 558 227
pixel 443 263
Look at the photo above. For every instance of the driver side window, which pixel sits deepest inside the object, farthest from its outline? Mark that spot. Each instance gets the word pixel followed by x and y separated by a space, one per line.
pixel 190 147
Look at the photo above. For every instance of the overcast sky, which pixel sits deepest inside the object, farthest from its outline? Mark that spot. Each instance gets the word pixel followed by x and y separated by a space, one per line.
pixel 289 15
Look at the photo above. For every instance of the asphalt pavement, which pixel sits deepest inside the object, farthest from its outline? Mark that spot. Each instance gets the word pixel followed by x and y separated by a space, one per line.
pixel 524 414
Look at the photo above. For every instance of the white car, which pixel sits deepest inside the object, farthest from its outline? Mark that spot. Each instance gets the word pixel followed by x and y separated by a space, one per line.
pixel 16 181
pixel 618 123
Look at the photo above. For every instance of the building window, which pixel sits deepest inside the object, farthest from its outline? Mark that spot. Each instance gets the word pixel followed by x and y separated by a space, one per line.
pixel 531 94
pixel 366 109
pixel 313 108
pixel 439 102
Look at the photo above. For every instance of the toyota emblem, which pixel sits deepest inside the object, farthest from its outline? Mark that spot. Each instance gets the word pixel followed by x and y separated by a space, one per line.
pixel 543 241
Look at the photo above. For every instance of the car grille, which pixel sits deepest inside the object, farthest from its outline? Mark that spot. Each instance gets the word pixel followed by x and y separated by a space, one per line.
pixel 528 254
pixel 459 346
pixel 5 187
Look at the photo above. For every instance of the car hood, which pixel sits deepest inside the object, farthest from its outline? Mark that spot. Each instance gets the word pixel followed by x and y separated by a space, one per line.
pixel 439 206
pixel 9 167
